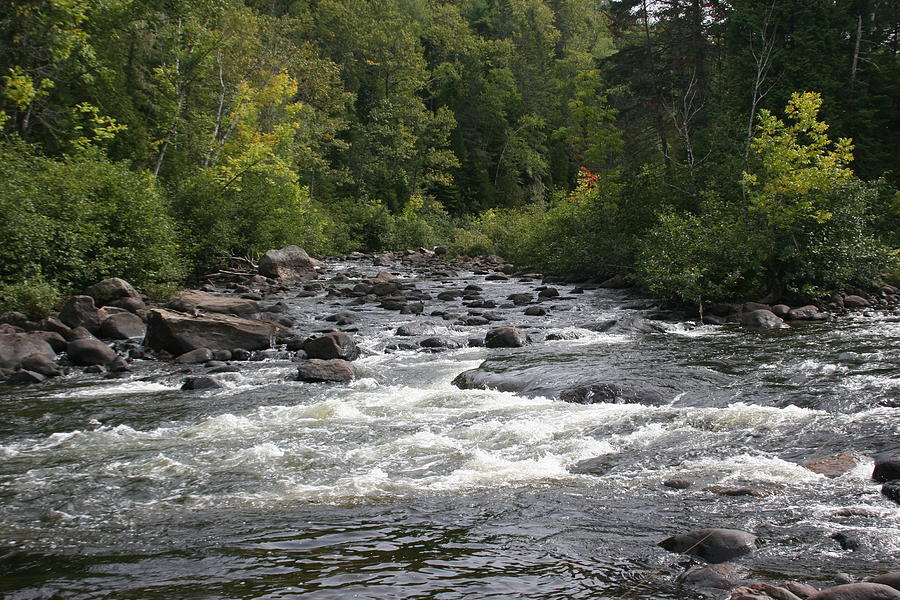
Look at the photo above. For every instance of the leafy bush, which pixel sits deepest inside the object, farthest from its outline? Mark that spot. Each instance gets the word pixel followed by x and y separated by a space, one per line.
pixel 35 297
pixel 80 219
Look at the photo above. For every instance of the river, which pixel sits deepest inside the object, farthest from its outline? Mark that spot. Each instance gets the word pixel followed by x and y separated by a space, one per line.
pixel 402 485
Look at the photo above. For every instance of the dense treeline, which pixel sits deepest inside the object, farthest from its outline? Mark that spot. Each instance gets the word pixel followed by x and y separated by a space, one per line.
pixel 681 143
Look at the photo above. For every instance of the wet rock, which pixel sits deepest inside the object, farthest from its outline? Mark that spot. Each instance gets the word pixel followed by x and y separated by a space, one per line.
pixel 857 591
pixel 90 351
pixel 807 313
pixel 762 319
pixel 847 541
pixel 290 262
pixel 110 291
pixel 711 578
pixel 782 310
pixel 746 490
pixel 15 347
pixel 446 343
pixel 333 370
pixel 478 379
pixel 496 277
pixel 122 326
pixel 196 356
pixel 616 282
pixel 890 579
pixel 712 545
pixel 754 306
pixel 54 325
pixel 613 393
pixel 414 328
pixel 520 299
pixel 762 591
pixel 197 302
pixel 473 321
pixel 119 365
pixel 505 337
pixel 80 311
pixel 535 311
pixel 679 484
pixel 201 382
pixel 13 317
pixel 547 293
pixel 599 465
pixel 891 491
pixel 38 363
pixel 240 354
pixel 831 466
pixel 79 333
pixel 25 377
pixel 802 590
pixel 853 301
pixel 223 369
pixel 178 333
pixel 221 355
pixel 332 345
pixel 631 325
pixel 344 318
pixel 887 468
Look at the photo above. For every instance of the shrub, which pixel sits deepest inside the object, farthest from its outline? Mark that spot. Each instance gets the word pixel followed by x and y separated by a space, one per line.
pixel 35 297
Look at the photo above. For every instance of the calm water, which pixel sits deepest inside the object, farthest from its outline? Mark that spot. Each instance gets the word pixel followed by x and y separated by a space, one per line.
pixel 401 485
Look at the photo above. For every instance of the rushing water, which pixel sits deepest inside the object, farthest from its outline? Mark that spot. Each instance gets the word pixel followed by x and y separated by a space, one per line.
pixel 401 485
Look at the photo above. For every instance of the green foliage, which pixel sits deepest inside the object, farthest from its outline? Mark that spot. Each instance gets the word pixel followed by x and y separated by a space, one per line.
pixel 34 296
pixel 79 220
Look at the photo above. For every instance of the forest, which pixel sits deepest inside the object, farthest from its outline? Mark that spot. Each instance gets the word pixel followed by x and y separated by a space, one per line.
pixel 704 150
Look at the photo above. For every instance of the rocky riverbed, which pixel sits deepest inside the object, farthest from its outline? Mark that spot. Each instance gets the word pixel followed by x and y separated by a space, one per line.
pixel 401 425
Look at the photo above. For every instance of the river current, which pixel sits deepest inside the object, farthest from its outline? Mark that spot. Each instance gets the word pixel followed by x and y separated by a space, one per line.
pixel 401 485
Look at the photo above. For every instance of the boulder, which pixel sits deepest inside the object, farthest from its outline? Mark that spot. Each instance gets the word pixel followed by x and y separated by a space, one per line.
pixel 505 337
pixel 90 351
pixel 548 293
pixel 616 282
pixel 291 262
pixel 831 466
pixel 887 468
pixel 56 341
pixel 38 363
pixel 333 370
pixel 614 393
pixel 857 591
pixel 178 333
pixel 762 319
pixel 446 343
pixel 122 326
pixel 803 590
pixel 762 591
pixel 856 302
pixel 54 325
pixel 202 382
pixel 15 347
pixel 110 290
pixel 714 578
pixel 195 301
pixel 80 311
pixel 519 299
pixel 891 579
pixel 196 356
pixel 891 491
pixel 632 325
pixel 25 377
pixel 782 310
pixel 414 328
pixel 712 545
pixel 332 345
pixel 535 311
pixel 807 313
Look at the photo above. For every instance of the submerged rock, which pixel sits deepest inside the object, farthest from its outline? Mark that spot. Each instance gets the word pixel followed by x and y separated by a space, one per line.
pixel 616 393
pixel 712 545
pixel 202 382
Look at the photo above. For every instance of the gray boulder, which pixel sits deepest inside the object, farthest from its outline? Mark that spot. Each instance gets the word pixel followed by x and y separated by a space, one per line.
pixel 505 337
pixel 15 347
pixel 196 356
pixel 857 591
pixel 414 328
pixel 856 302
pixel 202 382
pixel 291 262
pixel 110 290
pixel 195 301
pixel 615 393
pixel 332 345
pixel 712 545
pixel 891 491
pixel 122 326
pixel 762 319
pixel 887 468
pixel 38 363
pixel 80 311
pixel 891 579
pixel 178 333
pixel 319 371
pixel 807 313
pixel 714 578
pixel 90 351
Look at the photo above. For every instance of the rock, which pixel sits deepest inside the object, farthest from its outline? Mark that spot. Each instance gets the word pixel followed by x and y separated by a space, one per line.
pixel 54 325
pixel 201 382
pixel 57 342
pixel 887 468
pixel 119 365
pixel 712 545
pixel 90 351
pixel 616 282
pixel 38 363
pixel 535 311
pixel 614 393
pixel 831 466
pixel 178 333
pixel 110 290
pixel 847 541
pixel 802 590
pixel 443 342
pixel 79 333
pixel 631 325
pixel 856 302
pixel 599 465
pixel 195 302
pixel 724 576
pixel 890 579
pixel 519 299
pixel 754 306
pixel 440 250
pixel 25 377
pixel 196 356
pixel 240 354
pixel 414 328
pixel 505 337
pixel 133 305
pixel 762 319
pixel 332 370
pixel 548 293
pixel 291 262
pixel 15 347
pixel 857 591
pixel 80 311
pixel 678 484
pixel 891 491
pixel 807 313
pixel 762 591
pixel 14 317
pixel 782 310
pixel 344 318
pixel 332 345
pixel 123 326
pixel 383 276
